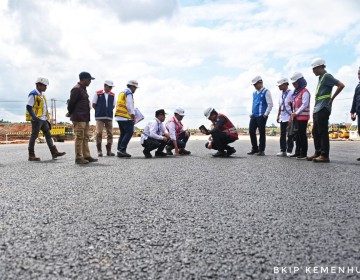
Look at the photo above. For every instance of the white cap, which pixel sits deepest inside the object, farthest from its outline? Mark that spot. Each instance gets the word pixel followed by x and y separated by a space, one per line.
pixel 133 83
pixel 256 79
pixel 180 111
pixel 109 83
pixel 43 81
pixel 207 111
pixel 282 81
pixel 317 62
pixel 296 76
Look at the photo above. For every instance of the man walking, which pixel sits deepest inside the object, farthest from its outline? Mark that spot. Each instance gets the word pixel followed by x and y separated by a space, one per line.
pixel 37 113
pixel 261 107
pixel 283 117
pixel 79 111
pixel 322 110
pixel 355 108
pixel 125 116
pixel 104 103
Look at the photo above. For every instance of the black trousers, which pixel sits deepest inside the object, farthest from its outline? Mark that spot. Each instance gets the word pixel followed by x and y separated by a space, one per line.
pixel 152 144
pixel 320 132
pixel 301 138
pixel 286 143
pixel 257 123
pixel 221 140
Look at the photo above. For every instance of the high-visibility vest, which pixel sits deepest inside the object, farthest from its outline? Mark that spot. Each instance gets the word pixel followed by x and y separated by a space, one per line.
pixel 228 127
pixel 121 109
pixel 178 126
pixel 324 95
pixel 305 114
pixel 38 106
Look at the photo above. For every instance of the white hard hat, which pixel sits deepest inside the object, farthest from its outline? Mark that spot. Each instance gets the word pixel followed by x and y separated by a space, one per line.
pixel 208 111
pixel 296 76
pixel 43 81
pixel 282 81
pixel 317 62
pixel 256 79
pixel 180 111
pixel 133 83
pixel 109 83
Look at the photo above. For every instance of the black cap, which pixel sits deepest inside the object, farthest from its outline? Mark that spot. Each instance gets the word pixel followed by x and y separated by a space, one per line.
pixel 160 112
pixel 85 75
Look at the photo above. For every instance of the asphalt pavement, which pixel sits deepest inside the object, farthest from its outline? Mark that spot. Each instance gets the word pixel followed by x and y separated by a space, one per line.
pixel 187 217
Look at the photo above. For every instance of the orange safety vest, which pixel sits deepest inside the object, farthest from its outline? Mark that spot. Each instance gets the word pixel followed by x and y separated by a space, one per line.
pixel 228 127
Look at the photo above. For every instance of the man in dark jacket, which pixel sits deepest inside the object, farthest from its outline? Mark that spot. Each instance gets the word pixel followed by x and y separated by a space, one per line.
pixel 79 111
pixel 355 108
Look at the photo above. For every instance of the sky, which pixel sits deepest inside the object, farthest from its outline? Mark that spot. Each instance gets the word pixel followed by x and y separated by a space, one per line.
pixel 192 54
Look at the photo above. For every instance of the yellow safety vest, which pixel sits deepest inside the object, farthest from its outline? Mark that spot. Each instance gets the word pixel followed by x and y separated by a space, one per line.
pixel 324 96
pixel 38 107
pixel 121 109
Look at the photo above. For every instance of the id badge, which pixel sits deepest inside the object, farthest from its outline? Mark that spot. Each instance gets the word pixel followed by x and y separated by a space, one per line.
pixel 282 108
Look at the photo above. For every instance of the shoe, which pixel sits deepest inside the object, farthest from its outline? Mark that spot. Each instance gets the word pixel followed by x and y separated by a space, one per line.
pixel 321 159
pixel 90 159
pixel 100 154
pixel 184 152
pixel 32 156
pixel 160 154
pixel 109 153
pixel 252 152
pixel 168 150
pixel 220 154
pixel 81 161
pixel 288 154
pixel 301 157
pixel 281 154
pixel 98 146
pixel 123 154
pixel 147 154
pixel 312 157
pixel 294 155
pixel 55 153
pixel 358 159
pixel 230 151
pixel 261 153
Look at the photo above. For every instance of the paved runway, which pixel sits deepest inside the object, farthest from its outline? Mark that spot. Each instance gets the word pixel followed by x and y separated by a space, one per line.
pixel 193 217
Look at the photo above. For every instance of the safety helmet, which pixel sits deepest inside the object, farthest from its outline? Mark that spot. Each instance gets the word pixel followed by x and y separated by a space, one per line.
pixel 43 81
pixel 317 62
pixel 208 111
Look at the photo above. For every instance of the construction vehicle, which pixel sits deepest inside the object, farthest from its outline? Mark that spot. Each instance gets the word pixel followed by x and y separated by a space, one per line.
pixel 60 133
pixel 337 131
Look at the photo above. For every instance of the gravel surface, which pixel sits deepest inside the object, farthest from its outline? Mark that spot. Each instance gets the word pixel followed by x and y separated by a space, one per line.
pixel 189 217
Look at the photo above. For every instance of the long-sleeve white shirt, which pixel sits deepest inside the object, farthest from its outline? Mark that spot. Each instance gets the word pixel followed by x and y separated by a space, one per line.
pixel 171 127
pixel 268 101
pixel 129 106
pixel 154 129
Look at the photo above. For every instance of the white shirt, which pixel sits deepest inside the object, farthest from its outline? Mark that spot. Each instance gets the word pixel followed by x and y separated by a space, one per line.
pixel 95 99
pixel 154 129
pixel 129 106
pixel 171 127
pixel 285 109
pixel 31 102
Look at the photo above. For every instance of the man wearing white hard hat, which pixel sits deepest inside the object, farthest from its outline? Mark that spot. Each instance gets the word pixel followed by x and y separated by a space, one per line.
pixel 178 136
pixel 104 104
pixel 261 108
pixel 283 117
pixel 37 113
pixel 322 110
pixel 125 116
pixel 355 108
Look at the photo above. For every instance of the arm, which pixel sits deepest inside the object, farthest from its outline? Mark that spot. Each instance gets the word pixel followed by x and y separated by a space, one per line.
pixel 31 101
pixel 153 127
pixel 130 106
pixel 172 132
pixel 340 86
pixel 74 97
pixel 219 125
pixel 269 102
pixel 94 101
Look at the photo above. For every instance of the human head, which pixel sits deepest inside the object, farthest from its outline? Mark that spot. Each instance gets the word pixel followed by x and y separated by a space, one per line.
pixel 41 84
pixel 210 113
pixel 257 82
pixel 108 85
pixel 298 81
pixel 132 85
pixel 160 115
pixel 283 84
pixel 179 113
pixel 318 65
pixel 85 78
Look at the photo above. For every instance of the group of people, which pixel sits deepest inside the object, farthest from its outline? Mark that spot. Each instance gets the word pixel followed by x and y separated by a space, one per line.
pixel 293 116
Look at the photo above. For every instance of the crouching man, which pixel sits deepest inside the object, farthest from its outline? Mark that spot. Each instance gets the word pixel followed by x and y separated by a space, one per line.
pixel 178 136
pixel 155 136
pixel 223 133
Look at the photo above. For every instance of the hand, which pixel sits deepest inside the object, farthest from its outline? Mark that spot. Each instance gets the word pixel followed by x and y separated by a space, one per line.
pixel 209 146
pixel 36 119
pixel 166 138
pixel 177 152
pixel 353 116
pixel 67 115
pixel 293 115
pixel 187 133
pixel 330 101
pixel 278 119
pixel 133 118
pixel 265 116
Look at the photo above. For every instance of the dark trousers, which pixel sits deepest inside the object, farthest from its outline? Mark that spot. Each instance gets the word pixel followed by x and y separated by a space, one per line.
pixel 35 130
pixel 181 141
pixel 257 123
pixel 320 132
pixel 152 144
pixel 286 143
pixel 301 138
pixel 126 132
pixel 220 140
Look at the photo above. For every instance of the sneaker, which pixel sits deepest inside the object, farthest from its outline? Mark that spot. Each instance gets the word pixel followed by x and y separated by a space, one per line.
pixel 288 154
pixel 184 152
pixel 301 157
pixel 147 154
pixel 312 157
pixel 123 154
pixel 252 152
pixel 90 159
pixel 321 159
pixel 281 154
pixel 358 159
pixel 220 154
pixel 230 151
pixel 168 150
pixel 81 161
pixel 294 155
pixel 261 153
pixel 160 154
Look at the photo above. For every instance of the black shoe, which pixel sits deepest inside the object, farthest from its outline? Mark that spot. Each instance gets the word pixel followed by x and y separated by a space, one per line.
pixel 168 150
pixel 230 151
pixel 261 153
pixel 301 157
pixel 252 152
pixel 90 159
pixel 358 159
pixel 184 152
pixel 123 154
pixel 294 156
pixel 220 154
pixel 160 154
pixel 147 154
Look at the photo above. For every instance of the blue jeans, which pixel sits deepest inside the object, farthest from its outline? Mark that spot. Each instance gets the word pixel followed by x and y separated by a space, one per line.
pixel 181 141
pixel 126 132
